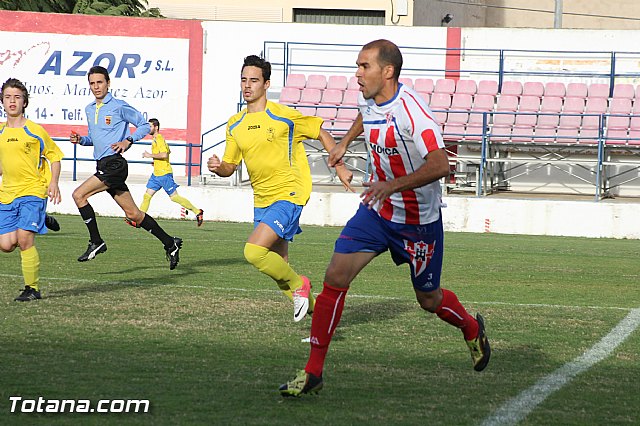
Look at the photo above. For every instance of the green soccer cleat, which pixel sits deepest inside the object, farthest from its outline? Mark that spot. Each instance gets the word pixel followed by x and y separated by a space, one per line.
pixel 303 383
pixel 479 347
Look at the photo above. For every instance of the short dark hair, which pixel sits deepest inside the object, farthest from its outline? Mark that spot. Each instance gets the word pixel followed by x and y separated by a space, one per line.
pixel 256 61
pixel 97 69
pixel 16 84
pixel 155 122
pixel 388 54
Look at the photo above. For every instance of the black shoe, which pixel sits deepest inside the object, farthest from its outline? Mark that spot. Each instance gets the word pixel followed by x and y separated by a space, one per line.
pixel 173 253
pixel 200 217
pixel 479 347
pixel 93 250
pixel 51 223
pixel 28 294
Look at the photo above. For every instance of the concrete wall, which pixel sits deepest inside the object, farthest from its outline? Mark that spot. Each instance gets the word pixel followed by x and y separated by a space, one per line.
pixel 462 214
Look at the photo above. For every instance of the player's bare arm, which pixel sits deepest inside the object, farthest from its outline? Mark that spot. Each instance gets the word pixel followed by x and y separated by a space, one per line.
pixel 344 174
pixel 436 167
pixel 220 168
pixel 54 190
pixel 356 129
pixel 158 156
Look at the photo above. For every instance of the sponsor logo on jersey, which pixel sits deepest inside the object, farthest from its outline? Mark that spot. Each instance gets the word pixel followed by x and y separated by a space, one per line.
pixel 253 127
pixel 420 254
pixel 383 149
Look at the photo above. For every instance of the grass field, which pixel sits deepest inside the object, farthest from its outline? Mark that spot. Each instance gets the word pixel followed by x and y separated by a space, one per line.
pixel 210 342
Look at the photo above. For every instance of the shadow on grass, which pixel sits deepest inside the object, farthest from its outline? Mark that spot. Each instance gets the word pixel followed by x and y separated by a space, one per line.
pixel 372 312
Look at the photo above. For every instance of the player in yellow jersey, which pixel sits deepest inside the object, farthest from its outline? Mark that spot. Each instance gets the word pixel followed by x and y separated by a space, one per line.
pixel 162 176
pixel 268 137
pixel 24 190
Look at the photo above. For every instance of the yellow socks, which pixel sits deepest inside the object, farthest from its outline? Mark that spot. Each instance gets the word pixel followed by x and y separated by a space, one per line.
pixel 272 264
pixel 146 200
pixel 30 267
pixel 185 203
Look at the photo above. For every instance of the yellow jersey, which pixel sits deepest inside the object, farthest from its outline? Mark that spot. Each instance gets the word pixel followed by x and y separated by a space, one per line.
pixel 160 167
pixel 270 143
pixel 21 149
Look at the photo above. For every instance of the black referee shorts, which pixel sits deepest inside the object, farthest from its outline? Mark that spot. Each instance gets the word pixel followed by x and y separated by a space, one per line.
pixel 113 172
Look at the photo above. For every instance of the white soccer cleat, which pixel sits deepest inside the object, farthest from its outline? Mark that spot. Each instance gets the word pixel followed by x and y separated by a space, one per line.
pixel 301 299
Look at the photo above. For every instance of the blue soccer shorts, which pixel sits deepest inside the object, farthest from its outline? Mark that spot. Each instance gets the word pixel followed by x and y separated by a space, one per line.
pixel 421 246
pixel 165 182
pixel 282 216
pixel 23 213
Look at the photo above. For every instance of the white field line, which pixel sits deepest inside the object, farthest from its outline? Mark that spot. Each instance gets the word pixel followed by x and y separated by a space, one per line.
pixel 516 409
pixel 351 295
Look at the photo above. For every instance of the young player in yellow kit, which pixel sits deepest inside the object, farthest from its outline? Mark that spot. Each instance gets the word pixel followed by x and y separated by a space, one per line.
pixel 24 190
pixel 268 137
pixel 162 176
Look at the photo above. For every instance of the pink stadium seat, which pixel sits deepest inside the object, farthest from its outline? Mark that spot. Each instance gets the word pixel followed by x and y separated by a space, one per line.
pixel 440 117
pixel 483 102
pixel 440 101
pixel 529 103
pixel 445 85
pixel 468 87
pixel 423 85
pixel 500 133
pixel 296 80
pixel 350 97
pixel 406 81
pixel 289 95
pixel 457 117
pixel 425 96
pixel 503 119
pixel 551 104
pixel 327 113
pixel 461 101
pixel 310 96
pixel 473 132
pixel 337 82
pixel 616 136
pixel 567 135
pixel 453 131
pixel 513 88
pixel 331 97
pixel 522 134
pixel 634 137
pixel 546 134
pixel 507 103
pixel 476 116
pixel 555 89
pixel 596 105
pixel 353 83
pixel 573 105
pixel 576 90
pixel 624 90
pixel 634 123
pixel 620 106
pixel 533 88
pixel 487 87
pixel 347 114
pixel 589 136
pixel 636 107
pixel 316 81
pixel 306 110
pixel 526 120
pixel 590 121
pixel 618 122
pixel 548 120
pixel 570 121
pixel 598 90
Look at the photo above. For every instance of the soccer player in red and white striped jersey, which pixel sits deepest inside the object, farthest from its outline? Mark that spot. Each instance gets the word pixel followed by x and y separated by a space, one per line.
pixel 400 210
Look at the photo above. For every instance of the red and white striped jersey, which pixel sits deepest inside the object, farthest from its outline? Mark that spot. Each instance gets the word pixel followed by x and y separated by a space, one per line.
pixel 399 135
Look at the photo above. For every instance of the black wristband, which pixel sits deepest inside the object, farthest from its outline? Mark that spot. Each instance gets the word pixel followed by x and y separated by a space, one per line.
pixel 130 139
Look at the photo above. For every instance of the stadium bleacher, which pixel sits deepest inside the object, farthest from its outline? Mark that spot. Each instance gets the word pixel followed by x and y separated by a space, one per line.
pixel 520 113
